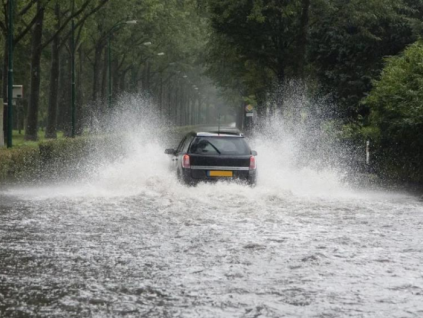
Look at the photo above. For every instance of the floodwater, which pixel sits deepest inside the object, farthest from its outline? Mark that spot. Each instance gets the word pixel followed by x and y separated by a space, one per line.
pixel 130 241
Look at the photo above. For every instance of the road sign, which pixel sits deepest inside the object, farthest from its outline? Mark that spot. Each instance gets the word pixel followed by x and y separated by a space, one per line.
pixel 249 108
pixel 17 91
pixel 249 114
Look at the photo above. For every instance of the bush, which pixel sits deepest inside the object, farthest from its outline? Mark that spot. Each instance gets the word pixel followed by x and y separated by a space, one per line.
pixel 396 104
pixel 18 164
pixel 52 159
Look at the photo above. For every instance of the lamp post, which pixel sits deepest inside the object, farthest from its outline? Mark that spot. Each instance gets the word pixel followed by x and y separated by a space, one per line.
pixel 10 77
pixel 109 57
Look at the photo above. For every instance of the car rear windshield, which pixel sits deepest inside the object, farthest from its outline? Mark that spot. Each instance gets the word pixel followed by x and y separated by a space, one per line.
pixel 220 146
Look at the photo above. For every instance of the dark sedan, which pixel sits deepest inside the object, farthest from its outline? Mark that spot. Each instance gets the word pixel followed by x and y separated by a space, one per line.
pixel 212 156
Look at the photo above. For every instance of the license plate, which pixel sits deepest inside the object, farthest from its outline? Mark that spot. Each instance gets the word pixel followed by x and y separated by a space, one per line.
pixel 220 173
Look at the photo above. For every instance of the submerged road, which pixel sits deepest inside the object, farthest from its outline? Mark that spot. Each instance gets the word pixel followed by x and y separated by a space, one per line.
pixel 132 242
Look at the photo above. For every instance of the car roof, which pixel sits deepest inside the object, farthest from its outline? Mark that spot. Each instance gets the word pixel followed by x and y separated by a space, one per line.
pixel 218 134
pixel 217 131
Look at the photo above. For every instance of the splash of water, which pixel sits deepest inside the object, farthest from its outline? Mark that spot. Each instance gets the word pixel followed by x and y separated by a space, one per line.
pixel 286 166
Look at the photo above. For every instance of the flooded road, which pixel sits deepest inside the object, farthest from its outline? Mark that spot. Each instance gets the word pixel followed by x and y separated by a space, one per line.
pixel 130 241
pixel 211 251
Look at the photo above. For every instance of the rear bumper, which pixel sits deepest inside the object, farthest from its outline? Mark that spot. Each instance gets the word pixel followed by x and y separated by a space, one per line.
pixel 193 176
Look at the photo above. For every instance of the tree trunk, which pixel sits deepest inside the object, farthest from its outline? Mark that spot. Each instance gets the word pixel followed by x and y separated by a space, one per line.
pixel 37 33
pixel 5 71
pixel 64 92
pixel 168 101
pixel 67 106
pixel 302 57
pixel 115 80
pixel 261 103
pixel 3 115
pixel 51 130
pixel 181 106
pixel 302 44
pixel 161 94
pixel 147 79
pixel 1 124
pixel 122 82
pixel 188 110
pixel 104 83
pixel 79 96
pixel 96 72
pixel 176 105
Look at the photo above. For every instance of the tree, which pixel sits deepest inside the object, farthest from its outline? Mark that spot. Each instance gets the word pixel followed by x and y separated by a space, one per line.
pixel 62 18
pixel 397 113
pixel 348 41
pixel 264 31
pixel 37 47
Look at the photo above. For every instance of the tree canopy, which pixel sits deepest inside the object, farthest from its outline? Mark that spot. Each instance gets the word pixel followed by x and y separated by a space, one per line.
pixel 396 104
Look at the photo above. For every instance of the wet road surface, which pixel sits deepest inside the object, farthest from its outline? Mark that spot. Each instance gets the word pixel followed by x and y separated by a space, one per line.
pixel 222 250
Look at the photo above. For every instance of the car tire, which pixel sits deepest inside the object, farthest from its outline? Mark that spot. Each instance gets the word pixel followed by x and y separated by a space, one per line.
pixel 179 177
pixel 182 180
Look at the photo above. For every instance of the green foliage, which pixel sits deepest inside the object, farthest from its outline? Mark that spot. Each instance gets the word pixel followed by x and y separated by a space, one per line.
pixel 19 163
pixel 348 41
pixel 397 112
pixel 257 43
pixel 52 159
pixel 261 31
pixel 254 47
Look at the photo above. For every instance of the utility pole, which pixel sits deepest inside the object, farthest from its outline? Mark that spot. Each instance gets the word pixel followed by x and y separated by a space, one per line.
pixel 10 77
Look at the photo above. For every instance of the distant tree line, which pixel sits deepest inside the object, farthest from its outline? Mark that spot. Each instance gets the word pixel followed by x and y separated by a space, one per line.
pixel 43 50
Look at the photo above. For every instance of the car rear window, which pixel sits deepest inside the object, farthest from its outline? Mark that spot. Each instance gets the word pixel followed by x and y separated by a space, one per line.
pixel 219 146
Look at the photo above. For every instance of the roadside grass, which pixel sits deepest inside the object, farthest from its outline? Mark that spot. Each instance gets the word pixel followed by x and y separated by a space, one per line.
pixel 47 158
pixel 18 140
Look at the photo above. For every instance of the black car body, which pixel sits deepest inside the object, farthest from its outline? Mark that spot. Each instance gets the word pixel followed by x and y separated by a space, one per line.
pixel 212 156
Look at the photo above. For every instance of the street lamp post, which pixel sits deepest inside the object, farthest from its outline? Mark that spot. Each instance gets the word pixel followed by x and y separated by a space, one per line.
pixel 10 77
pixel 109 57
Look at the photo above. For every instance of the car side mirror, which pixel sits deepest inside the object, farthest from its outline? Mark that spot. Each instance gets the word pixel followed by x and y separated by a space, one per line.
pixel 170 151
pixel 254 153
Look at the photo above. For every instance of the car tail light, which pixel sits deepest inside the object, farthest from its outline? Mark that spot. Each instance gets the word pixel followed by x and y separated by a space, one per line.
pixel 185 162
pixel 253 164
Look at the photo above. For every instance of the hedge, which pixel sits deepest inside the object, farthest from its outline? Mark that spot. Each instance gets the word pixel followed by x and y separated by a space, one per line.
pixel 52 159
